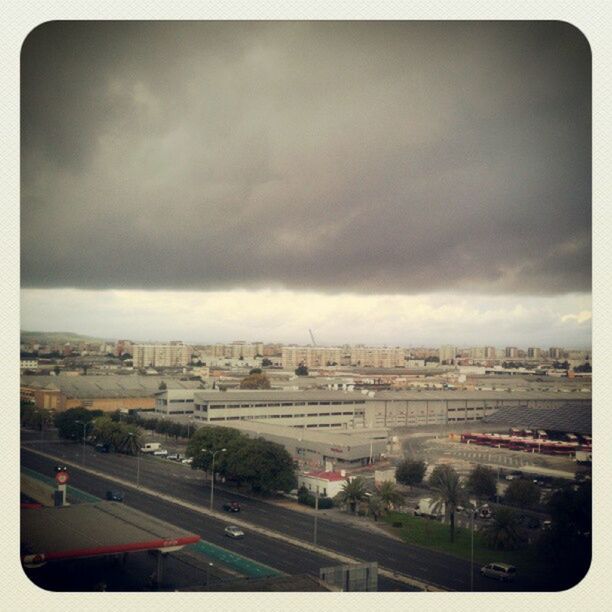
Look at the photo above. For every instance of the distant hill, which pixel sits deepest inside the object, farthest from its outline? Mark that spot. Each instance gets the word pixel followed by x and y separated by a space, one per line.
pixel 29 337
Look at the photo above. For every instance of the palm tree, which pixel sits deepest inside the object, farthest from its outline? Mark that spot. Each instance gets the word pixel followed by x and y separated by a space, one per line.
pixel 503 531
pixel 448 493
pixel 352 493
pixel 375 506
pixel 389 495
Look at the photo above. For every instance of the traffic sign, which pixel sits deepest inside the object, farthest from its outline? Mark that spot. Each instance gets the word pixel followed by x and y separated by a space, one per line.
pixel 62 477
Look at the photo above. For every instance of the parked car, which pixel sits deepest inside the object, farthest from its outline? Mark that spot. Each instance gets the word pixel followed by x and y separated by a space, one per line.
pixel 175 457
pixel 114 496
pixel 485 512
pixel 160 453
pixel 499 571
pixel 102 448
pixel 232 506
pixel 234 532
pixel 188 461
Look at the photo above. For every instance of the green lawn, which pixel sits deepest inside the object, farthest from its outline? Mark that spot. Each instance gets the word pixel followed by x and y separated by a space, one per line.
pixel 435 535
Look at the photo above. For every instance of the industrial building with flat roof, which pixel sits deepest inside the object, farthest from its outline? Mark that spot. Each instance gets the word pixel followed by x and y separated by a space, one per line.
pixel 106 393
pixel 318 449
pixel 342 409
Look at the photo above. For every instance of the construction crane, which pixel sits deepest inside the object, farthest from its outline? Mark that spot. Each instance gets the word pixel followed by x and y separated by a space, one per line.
pixel 314 342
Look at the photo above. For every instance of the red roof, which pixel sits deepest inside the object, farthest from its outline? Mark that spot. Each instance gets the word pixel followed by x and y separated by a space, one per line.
pixel 330 476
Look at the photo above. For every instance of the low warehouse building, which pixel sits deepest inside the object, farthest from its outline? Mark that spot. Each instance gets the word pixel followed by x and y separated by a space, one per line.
pixel 107 393
pixel 318 449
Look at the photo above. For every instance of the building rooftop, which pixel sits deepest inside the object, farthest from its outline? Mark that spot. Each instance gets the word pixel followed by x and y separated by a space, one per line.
pixel 93 529
pixel 432 395
pixel 329 476
pixel 106 386
pixel 569 418
pixel 333 437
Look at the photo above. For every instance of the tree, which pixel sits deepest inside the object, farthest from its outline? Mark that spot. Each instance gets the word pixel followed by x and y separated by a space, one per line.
pixel 265 362
pixel 448 493
pixel 410 472
pixel 255 381
pixel 255 371
pixel 522 493
pixel 482 482
pixel 301 370
pixel 352 493
pixel 503 530
pixel 271 466
pixel 389 495
pixel 566 547
pixel 67 425
pixel 376 507
pixel 162 386
pixel 211 439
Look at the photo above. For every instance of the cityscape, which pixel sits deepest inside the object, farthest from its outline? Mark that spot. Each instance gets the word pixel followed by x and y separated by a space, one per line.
pixel 306 307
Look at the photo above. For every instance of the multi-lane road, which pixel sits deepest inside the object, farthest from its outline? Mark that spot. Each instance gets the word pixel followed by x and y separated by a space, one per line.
pixel 182 483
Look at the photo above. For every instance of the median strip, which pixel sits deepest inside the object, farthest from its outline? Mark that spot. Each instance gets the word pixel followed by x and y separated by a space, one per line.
pixel 344 559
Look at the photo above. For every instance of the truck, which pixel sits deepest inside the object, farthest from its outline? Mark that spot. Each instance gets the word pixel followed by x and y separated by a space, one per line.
pixel 584 457
pixel 150 447
pixel 428 509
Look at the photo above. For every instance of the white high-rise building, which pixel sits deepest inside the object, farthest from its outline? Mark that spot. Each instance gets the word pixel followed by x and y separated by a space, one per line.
pixel 447 353
pixel 173 355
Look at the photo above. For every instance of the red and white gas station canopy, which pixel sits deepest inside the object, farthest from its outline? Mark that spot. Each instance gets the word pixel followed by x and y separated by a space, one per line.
pixel 89 530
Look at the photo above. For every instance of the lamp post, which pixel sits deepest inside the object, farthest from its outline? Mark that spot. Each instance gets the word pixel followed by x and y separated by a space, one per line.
pixel 84 424
pixel 316 515
pixel 208 573
pixel 137 462
pixel 472 513
pixel 212 476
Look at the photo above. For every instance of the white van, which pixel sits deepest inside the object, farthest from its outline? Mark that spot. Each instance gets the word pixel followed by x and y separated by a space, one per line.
pixel 499 571
pixel 150 447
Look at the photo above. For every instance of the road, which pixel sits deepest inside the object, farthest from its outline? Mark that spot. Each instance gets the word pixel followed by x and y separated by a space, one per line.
pixel 184 483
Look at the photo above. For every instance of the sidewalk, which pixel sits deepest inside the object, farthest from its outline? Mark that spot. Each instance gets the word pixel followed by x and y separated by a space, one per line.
pixel 336 515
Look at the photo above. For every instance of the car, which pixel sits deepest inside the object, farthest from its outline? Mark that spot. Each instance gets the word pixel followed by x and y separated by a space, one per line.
pixel 546 525
pixel 234 532
pixel 485 512
pixel 499 571
pixel 101 448
pixel 232 506
pixel 175 457
pixel 160 453
pixel 114 496
pixel 188 461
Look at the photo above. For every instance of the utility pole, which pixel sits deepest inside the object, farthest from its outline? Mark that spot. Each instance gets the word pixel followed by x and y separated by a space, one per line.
pixel 316 515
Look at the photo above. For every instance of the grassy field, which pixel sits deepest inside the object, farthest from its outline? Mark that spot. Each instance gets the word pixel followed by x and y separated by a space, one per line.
pixel 435 535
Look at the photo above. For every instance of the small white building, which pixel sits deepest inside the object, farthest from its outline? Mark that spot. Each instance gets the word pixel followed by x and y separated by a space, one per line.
pixel 174 401
pixel 329 483
pixel 381 476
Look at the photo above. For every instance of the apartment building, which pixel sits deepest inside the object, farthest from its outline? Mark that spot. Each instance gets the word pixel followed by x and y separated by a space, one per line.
pixel 239 349
pixel 511 352
pixel 311 356
pixel 447 353
pixel 173 355
pixel 376 357
pixel 534 353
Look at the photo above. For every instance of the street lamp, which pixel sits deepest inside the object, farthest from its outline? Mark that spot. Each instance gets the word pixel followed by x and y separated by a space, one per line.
pixel 212 477
pixel 472 513
pixel 208 572
pixel 132 435
pixel 84 424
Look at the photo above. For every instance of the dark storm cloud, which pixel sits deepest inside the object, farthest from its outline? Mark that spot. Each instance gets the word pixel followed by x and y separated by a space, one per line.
pixel 389 157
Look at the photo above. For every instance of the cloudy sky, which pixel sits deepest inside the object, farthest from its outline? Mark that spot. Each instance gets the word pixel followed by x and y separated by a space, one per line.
pixel 388 183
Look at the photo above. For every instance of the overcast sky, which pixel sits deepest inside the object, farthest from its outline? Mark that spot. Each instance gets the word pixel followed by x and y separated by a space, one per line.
pixel 379 182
